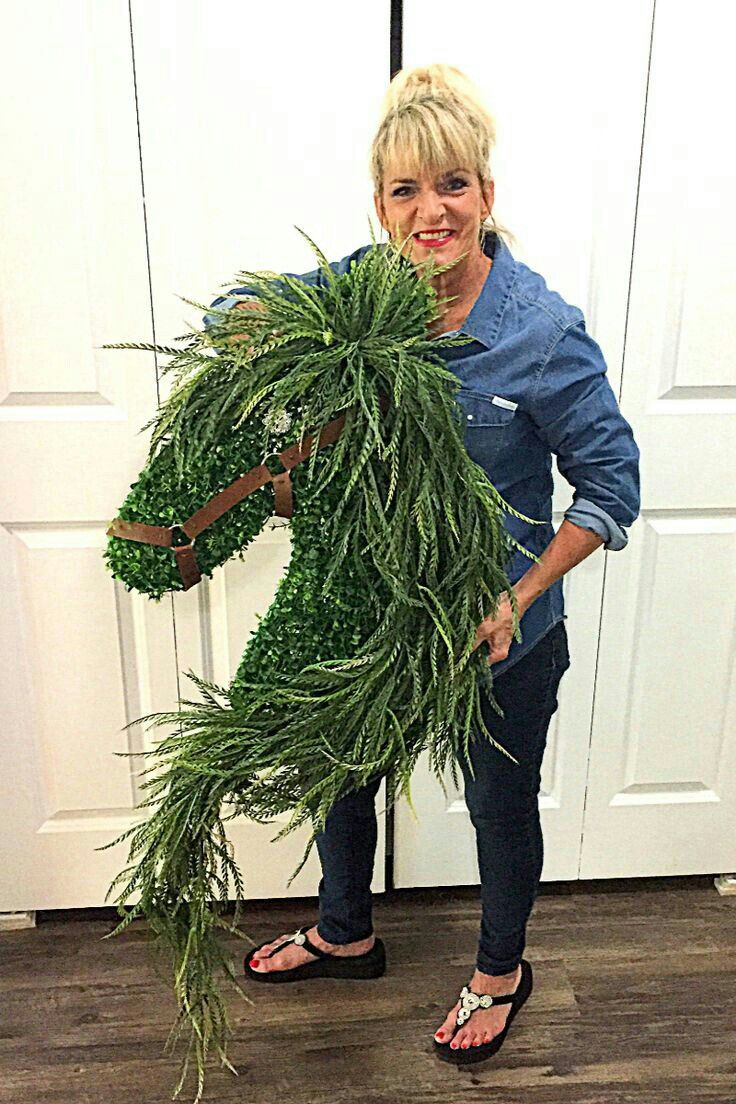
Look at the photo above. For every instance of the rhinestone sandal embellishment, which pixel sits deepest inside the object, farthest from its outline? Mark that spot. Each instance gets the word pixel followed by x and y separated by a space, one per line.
pixel 297 937
pixel 469 1001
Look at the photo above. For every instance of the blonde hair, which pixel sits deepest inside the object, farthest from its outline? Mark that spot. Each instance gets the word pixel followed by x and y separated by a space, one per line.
pixel 431 117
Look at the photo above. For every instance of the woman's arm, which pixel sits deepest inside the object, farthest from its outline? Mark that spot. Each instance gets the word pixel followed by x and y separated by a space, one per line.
pixel 577 415
pixel 570 545
pixel 314 278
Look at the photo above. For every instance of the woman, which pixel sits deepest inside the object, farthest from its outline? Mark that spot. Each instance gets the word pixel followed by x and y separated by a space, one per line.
pixel 533 383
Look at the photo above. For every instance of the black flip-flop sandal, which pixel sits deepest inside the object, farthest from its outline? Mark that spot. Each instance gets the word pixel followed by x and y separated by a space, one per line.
pixel 372 964
pixel 469 1002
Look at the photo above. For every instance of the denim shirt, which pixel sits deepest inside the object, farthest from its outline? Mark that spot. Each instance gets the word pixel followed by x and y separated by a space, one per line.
pixel 533 382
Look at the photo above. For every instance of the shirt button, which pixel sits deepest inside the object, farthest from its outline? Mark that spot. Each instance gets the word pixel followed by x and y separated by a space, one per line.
pixel 470 417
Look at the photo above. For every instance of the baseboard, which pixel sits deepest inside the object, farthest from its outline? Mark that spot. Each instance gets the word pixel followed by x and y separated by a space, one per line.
pixel 12 921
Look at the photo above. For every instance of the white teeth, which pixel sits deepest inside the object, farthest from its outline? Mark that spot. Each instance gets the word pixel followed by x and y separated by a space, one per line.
pixel 432 235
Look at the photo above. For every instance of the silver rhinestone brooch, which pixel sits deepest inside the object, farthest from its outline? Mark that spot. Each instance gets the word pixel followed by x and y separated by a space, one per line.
pixel 279 421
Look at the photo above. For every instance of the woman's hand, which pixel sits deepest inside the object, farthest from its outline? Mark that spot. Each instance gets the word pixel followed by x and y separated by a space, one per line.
pixel 247 304
pixel 498 631
pixel 250 304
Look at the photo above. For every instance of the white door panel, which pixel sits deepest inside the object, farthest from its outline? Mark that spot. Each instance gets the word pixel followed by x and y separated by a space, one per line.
pixel 566 166
pixel 249 123
pixel 662 784
pixel 81 657
pixel 243 136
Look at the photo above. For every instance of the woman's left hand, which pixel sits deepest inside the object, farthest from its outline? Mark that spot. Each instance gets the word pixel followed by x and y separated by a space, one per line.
pixel 498 631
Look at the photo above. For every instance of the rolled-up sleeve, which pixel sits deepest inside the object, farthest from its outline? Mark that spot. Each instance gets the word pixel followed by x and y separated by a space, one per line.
pixel 577 415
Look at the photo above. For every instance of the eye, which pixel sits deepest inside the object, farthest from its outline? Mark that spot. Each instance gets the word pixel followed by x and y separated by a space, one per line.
pixel 401 189
pixel 457 180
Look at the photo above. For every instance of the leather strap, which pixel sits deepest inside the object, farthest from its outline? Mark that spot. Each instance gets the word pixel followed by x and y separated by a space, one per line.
pixel 224 500
pixel 219 504
pixel 283 496
pixel 303 941
pixel 138 531
pixel 186 561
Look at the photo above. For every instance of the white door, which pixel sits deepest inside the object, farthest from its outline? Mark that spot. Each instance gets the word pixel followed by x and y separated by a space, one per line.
pixel 234 157
pixel 566 168
pixel 661 793
pixel 242 135
pixel 80 657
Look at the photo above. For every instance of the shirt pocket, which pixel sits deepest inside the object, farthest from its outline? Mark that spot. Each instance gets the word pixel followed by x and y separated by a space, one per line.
pixel 487 420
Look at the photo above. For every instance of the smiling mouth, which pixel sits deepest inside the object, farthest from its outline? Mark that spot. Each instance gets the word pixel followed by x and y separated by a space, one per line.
pixel 433 235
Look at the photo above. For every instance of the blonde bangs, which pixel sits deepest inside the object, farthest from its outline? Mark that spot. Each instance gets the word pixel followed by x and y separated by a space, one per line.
pixel 426 136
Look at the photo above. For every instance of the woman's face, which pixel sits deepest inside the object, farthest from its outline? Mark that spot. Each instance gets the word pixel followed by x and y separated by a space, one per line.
pixel 450 206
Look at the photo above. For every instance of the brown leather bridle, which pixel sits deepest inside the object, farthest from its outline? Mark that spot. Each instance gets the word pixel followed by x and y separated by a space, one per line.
pixel 172 536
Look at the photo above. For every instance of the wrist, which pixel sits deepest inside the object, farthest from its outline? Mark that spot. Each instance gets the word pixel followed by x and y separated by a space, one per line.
pixel 525 595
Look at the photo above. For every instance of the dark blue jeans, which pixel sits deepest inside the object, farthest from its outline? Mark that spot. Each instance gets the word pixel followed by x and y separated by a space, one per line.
pixel 504 808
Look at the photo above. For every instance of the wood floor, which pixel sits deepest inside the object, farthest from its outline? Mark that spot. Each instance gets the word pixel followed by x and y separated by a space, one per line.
pixel 634 1003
